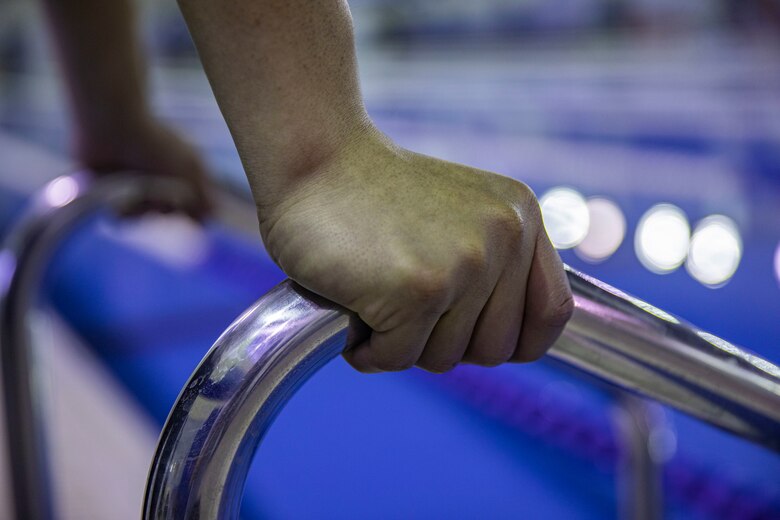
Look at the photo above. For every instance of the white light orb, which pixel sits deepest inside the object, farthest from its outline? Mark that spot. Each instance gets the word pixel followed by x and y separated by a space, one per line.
pixel 61 191
pixel 715 251
pixel 566 217
pixel 662 238
pixel 606 232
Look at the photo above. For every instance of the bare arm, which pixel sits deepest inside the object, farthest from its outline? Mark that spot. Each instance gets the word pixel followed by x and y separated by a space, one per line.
pixel 104 71
pixel 444 262
pixel 285 76
pixel 103 65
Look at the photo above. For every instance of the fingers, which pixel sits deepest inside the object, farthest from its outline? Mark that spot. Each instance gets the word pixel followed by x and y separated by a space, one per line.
pixel 393 350
pixel 450 338
pixel 201 206
pixel 523 316
pixel 159 152
pixel 497 293
pixel 481 328
pixel 497 331
pixel 548 303
pixel 436 346
pixel 197 204
pixel 194 206
pixel 187 167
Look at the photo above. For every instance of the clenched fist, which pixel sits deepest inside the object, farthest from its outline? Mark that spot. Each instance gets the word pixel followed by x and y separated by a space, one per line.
pixel 149 148
pixel 446 263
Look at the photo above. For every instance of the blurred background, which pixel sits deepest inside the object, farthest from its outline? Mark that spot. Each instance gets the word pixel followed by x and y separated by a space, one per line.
pixel 649 129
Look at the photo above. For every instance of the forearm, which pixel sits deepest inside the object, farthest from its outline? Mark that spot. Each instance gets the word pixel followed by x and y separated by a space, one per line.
pixel 102 64
pixel 284 75
pixel 437 258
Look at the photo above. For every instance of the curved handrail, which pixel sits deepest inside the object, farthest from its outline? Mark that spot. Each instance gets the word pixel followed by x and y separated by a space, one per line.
pixel 206 447
pixel 60 206
pixel 256 365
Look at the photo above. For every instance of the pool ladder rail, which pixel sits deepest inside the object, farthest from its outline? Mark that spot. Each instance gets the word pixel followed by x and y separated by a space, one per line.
pixel 256 365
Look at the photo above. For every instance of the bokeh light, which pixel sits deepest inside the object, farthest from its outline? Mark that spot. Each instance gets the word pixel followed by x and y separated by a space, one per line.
pixel 662 238
pixel 606 231
pixel 715 251
pixel 61 191
pixel 566 217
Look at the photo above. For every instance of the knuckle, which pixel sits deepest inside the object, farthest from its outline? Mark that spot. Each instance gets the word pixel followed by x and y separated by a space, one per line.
pixel 524 193
pixel 524 196
pixel 381 315
pixel 518 192
pixel 508 221
pixel 473 259
pixel 427 286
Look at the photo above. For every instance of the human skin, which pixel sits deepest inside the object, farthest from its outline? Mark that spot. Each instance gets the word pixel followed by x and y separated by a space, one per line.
pixel 114 129
pixel 444 262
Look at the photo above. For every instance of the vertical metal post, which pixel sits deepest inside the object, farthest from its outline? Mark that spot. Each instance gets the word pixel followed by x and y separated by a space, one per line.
pixel 640 426
pixel 60 206
pixel 231 399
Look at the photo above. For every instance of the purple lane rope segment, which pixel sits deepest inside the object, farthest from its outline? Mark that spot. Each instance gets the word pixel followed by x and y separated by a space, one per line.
pixel 589 437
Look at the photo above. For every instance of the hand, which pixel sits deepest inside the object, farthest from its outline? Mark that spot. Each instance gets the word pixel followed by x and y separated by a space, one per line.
pixel 148 147
pixel 444 262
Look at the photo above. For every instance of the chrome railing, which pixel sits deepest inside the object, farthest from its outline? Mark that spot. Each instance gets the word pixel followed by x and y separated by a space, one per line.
pixel 640 424
pixel 54 212
pixel 252 370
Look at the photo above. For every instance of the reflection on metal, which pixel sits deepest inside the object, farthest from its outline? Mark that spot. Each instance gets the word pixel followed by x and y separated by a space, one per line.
pixel 253 369
pixel 60 206
pixel 642 435
pixel 637 347
pixel 264 356
pixel 220 417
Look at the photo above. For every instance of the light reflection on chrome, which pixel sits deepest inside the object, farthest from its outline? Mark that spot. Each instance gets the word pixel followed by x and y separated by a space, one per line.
pixel 655 311
pixel 622 340
pixel 61 191
pixel 641 304
pixel 777 263
pixel 756 361
pixel 7 269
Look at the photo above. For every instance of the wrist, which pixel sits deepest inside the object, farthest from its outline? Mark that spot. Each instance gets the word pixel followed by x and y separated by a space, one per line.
pixel 100 144
pixel 307 160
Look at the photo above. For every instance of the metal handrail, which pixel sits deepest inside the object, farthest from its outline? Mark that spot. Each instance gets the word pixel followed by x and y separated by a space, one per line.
pixel 206 447
pixel 256 365
pixel 54 212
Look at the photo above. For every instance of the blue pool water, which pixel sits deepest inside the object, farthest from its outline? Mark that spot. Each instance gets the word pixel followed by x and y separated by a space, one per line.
pixel 531 441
